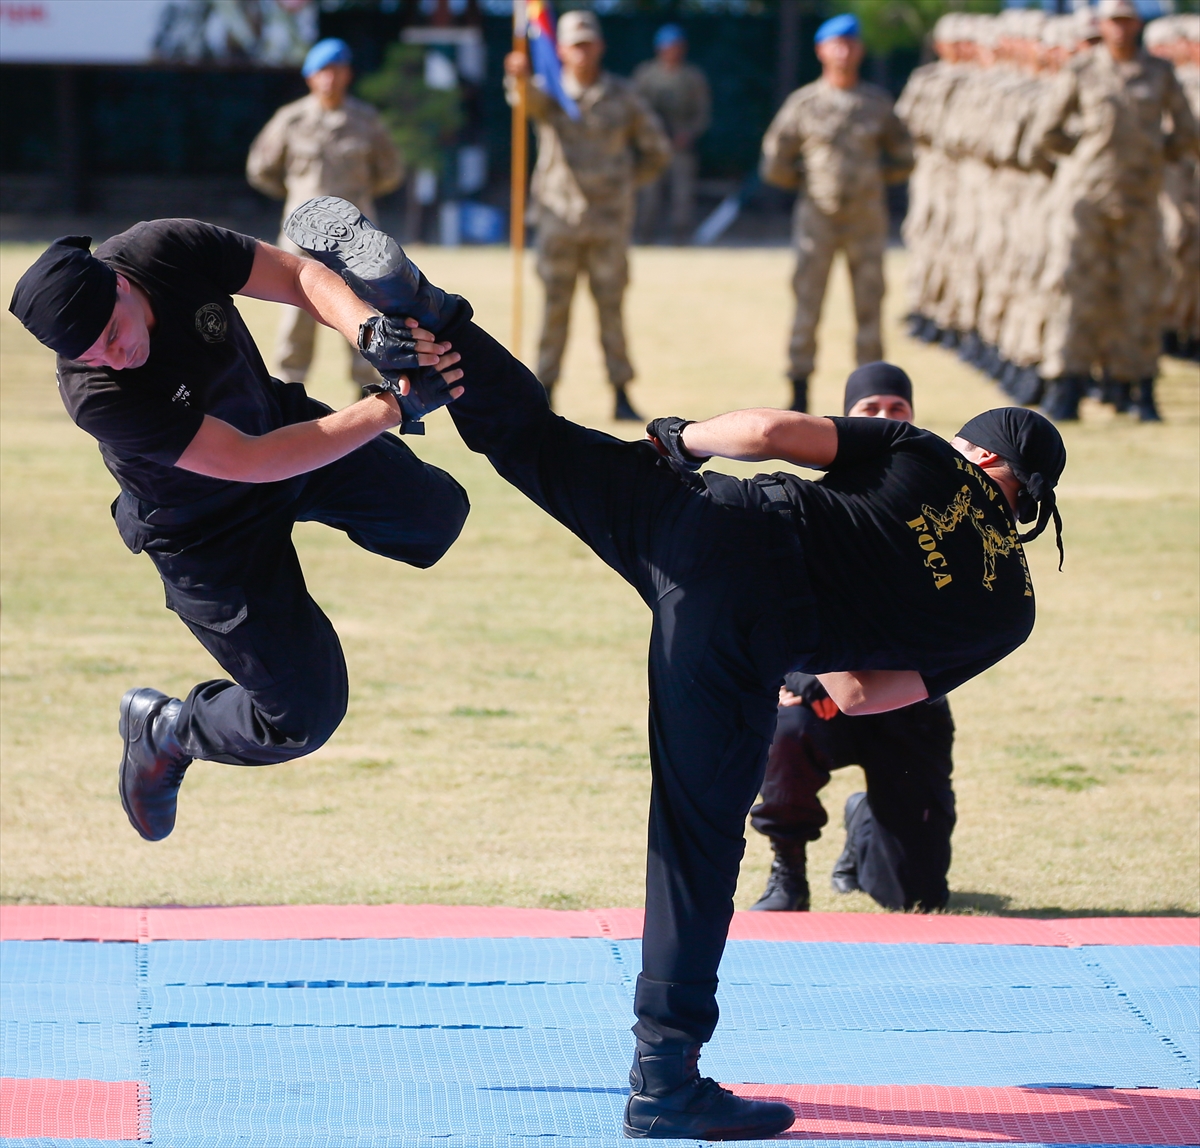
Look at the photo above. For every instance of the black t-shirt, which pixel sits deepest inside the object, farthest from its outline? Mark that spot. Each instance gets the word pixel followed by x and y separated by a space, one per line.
pixel 913 557
pixel 202 361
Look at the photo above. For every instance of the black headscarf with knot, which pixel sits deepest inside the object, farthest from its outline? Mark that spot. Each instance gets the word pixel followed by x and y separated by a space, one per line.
pixel 66 298
pixel 876 379
pixel 1034 450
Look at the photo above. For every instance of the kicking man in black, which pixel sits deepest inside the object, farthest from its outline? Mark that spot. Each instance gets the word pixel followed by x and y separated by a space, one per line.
pixel 216 461
pixel 746 580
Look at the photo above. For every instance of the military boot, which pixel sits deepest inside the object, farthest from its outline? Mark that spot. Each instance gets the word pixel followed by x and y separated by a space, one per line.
pixel 153 762
pixel 1027 386
pixel 844 878
pixel 799 395
pixel 1147 409
pixel 624 411
pixel 787 885
pixel 334 232
pixel 670 1100
pixel 1061 401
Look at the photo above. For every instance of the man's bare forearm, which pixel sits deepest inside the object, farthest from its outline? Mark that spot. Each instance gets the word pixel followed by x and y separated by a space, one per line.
pixel 762 433
pixel 222 451
pixel 281 277
pixel 874 691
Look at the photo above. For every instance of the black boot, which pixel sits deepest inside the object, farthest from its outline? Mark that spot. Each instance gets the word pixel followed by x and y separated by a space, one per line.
pixel 624 411
pixel 787 886
pixel 670 1100
pixel 1171 343
pixel 1027 387
pixel 1061 402
pixel 1118 395
pixel 949 339
pixel 971 349
pixel 844 878
pixel 800 395
pixel 153 763
pixel 334 232
pixel 1008 377
pixel 930 332
pixel 915 324
pixel 1147 410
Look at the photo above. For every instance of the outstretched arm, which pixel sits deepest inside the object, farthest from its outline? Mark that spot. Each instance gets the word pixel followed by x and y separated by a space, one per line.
pixel 762 433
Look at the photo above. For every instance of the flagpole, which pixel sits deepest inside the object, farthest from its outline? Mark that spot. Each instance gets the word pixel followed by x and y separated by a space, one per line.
pixel 520 137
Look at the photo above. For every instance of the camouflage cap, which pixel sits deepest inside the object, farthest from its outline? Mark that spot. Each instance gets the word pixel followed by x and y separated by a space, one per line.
pixel 1117 10
pixel 578 27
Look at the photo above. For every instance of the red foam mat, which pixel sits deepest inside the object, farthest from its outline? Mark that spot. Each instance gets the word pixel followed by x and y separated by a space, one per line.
pixel 344 922
pixel 73 1109
pixel 987 1115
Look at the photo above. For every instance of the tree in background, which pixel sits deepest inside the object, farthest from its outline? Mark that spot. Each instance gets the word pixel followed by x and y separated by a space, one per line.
pixel 422 120
pixel 896 25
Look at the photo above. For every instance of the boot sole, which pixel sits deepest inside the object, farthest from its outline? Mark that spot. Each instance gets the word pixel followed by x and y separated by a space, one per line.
pixel 338 235
pixel 760 1132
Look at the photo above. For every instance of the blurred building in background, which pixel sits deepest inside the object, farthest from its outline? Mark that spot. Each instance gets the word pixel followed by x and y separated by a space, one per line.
pixel 128 109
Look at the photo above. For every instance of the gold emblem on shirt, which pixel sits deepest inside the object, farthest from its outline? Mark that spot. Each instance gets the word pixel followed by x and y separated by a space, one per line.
pixel 933 525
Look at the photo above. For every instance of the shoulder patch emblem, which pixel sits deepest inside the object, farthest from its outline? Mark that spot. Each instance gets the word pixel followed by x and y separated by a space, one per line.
pixel 211 323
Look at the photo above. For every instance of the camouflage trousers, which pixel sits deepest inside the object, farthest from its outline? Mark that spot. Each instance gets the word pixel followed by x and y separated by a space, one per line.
pixel 296 339
pixel 562 253
pixel 677 187
pixel 861 232
pixel 1180 205
pixel 1107 313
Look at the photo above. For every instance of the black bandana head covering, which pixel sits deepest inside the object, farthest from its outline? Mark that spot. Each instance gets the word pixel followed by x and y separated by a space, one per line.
pixel 1033 448
pixel 66 298
pixel 876 379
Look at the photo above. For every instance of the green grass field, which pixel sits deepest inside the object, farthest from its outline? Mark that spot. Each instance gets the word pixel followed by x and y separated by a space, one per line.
pixel 495 748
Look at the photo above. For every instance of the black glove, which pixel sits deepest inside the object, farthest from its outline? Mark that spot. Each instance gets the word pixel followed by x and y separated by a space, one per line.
pixel 804 686
pixel 666 435
pixel 427 391
pixel 387 344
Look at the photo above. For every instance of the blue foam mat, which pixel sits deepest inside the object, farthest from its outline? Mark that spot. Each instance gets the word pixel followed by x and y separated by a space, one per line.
pixel 67 963
pixel 67 1051
pixel 518 960
pixel 522 1040
pixel 501 1141
pixel 1146 966
pixel 860 966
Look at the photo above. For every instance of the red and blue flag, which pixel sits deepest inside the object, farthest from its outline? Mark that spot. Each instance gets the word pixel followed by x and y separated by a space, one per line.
pixel 543 53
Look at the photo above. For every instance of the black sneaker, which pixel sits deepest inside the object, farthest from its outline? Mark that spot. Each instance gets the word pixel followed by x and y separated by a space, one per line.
pixel 787 885
pixel 153 762
pixel 670 1100
pixel 624 408
pixel 844 877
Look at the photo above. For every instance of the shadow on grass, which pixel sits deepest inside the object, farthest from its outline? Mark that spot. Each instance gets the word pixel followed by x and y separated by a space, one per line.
pixel 997 905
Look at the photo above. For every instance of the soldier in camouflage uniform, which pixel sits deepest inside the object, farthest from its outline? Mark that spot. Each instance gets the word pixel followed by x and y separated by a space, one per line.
pixel 327 143
pixel 583 192
pixel 838 140
pixel 1132 117
pixel 680 97
pixel 1177 39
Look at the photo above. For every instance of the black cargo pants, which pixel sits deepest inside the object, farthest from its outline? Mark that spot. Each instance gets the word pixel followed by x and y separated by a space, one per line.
pixel 902 838
pixel 232 575
pixel 732 613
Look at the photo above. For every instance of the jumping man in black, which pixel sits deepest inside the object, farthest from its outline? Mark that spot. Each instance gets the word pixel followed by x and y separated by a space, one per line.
pixel 216 461
pixel 746 580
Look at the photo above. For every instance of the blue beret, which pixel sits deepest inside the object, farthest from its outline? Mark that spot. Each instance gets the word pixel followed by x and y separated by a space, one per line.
pixel 326 52
pixel 844 25
pixel 669 34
